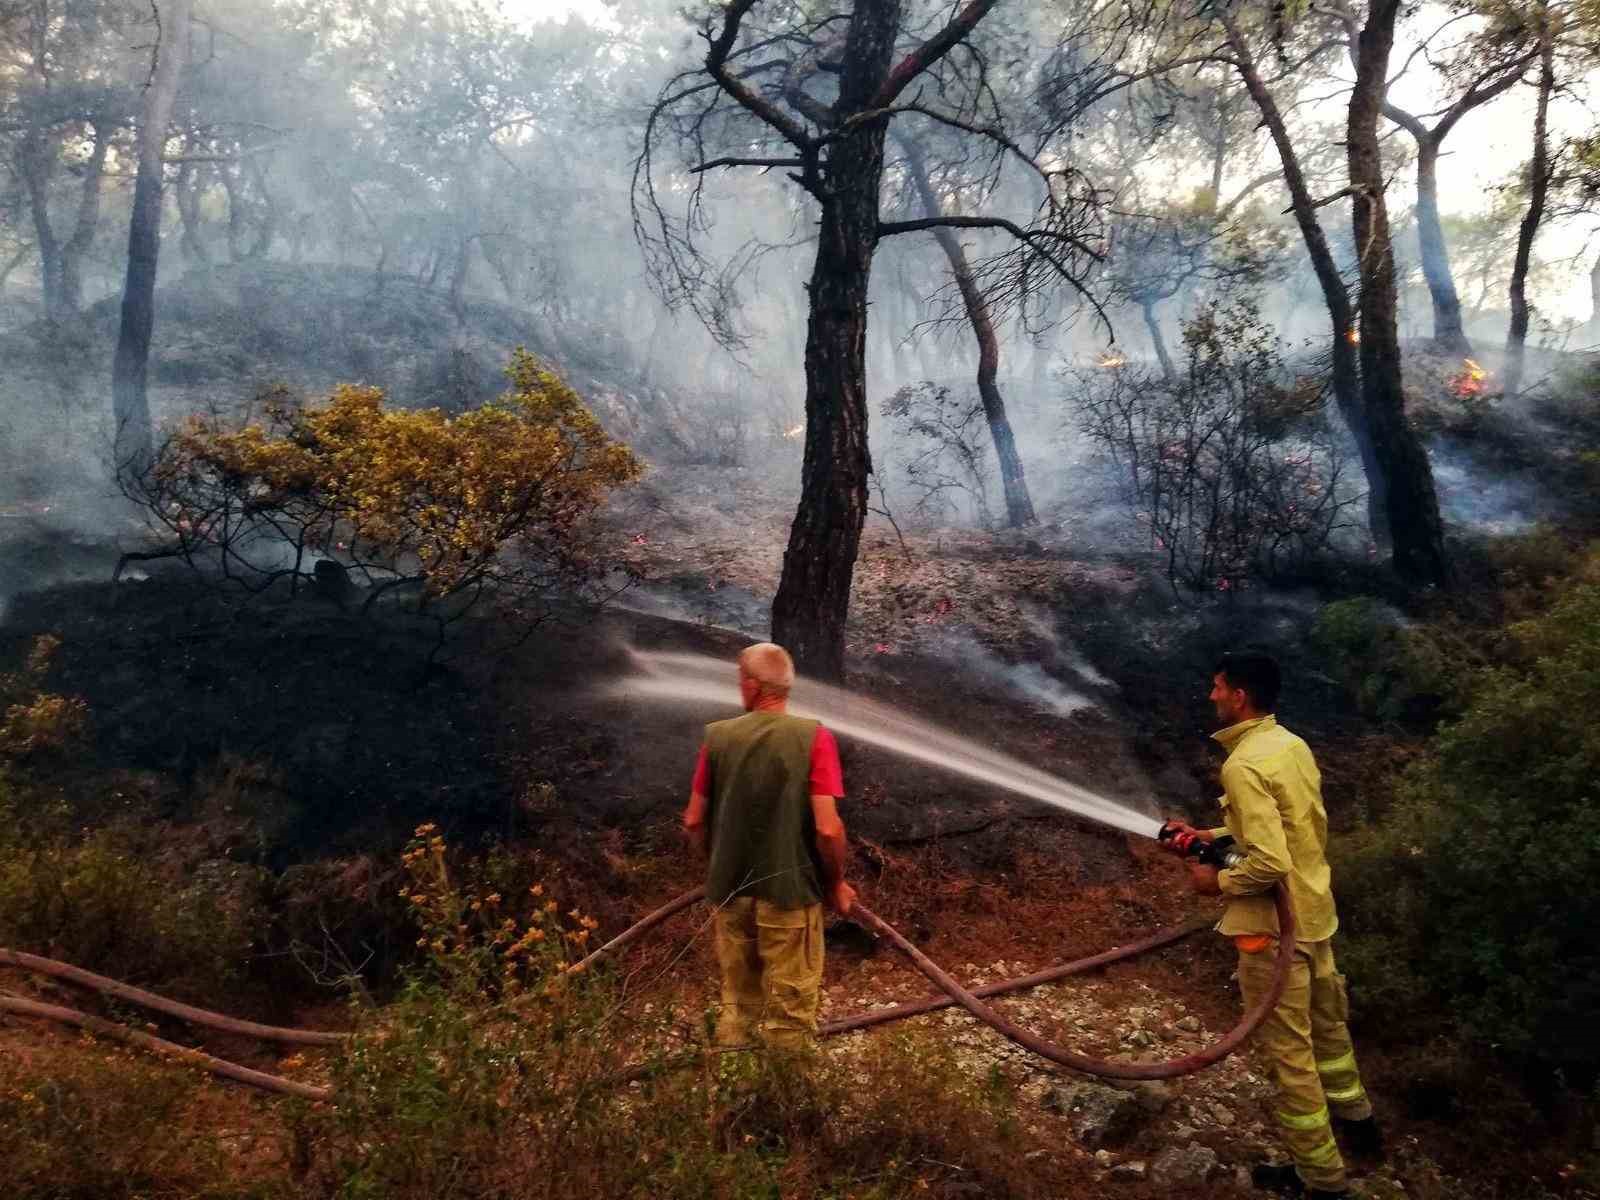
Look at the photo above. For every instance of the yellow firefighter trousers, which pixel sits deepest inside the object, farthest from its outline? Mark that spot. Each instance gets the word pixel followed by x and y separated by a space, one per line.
pixel 1313 1059
pixel 771 972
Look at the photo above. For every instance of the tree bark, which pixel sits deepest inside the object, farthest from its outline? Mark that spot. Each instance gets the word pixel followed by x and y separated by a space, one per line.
pixel 86 226
pixel 1345 368
pixel 130 402
pixel 12 263
pixel 813 598
pixel 1412 505
pixel 1594 300
pixel 186 190
pixel 1019 504
pixel 1538 189
pixel 1168 370
pixel 267 223
pixel 1448 332
pixel 35 163
pixel 61 263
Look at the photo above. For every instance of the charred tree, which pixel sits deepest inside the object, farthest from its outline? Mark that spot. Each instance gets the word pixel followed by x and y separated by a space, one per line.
pixel 1594 300
pixel 1345 367
pixel 61 261
pixel 130 402
pixel 1539 172
pixel 833 149
pixel 1488 83
pixel 1019 504
pixel 1412 505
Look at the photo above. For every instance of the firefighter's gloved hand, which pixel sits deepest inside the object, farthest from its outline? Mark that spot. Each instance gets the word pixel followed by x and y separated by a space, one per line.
pixel 1174 832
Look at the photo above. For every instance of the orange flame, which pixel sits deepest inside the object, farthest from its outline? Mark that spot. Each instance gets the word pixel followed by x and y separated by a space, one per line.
pixel 1110 359
pixel 793 432
pixel 1471 380
pixel 1353 336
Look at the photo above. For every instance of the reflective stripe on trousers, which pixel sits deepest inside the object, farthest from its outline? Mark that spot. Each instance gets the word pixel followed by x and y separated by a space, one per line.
pixel 1313 1061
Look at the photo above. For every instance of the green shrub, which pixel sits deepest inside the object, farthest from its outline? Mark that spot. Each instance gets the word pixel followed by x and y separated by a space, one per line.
pixel 1473 904
pixel 1512 906
pixel 104 902
pixel 90 1120
pixel 1394 670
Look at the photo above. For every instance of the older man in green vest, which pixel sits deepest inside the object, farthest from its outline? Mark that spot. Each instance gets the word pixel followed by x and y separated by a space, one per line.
pixel 763 809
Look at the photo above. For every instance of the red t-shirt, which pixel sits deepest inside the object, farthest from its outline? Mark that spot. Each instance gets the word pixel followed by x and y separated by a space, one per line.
pixel 827 778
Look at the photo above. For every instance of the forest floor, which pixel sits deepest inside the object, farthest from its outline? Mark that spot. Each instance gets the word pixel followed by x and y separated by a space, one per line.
pixel 288 737
pixel 294 740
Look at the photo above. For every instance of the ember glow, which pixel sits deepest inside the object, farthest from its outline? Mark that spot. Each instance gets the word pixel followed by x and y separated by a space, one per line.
pixel 1471 380
pixel 1353 336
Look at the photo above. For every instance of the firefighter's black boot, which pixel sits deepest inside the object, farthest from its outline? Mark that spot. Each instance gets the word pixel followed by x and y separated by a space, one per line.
pixel 1285 1180
pixel 1364 1139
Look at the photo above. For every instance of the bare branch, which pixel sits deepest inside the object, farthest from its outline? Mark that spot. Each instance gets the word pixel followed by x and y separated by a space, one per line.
pixel 717 67
pixel 747 162
pixel 931 51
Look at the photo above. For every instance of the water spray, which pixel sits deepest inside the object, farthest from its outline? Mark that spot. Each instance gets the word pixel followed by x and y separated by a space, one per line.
pixel 699 678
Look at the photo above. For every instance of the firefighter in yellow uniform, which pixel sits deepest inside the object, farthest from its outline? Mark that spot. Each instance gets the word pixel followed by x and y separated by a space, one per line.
pixel 1272 808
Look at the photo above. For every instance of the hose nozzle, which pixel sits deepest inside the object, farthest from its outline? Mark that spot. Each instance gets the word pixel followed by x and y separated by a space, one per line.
pixel 1220 852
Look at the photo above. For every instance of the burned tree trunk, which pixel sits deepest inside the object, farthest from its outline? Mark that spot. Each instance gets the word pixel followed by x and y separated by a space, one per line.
pixel 1345 368
pixel 1495 78
pixel 1594 300
pixel 1158 343
pixel 186 190
pixel 1448 332
pixel 1412 505
pixel 1019 504
pixel 1538 190
pixel 813 599
pixel 130 403
pixel 61 262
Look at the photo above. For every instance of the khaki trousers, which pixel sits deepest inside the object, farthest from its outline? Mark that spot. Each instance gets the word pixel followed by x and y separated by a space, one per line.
pixel 1313 1059
pixel 771 962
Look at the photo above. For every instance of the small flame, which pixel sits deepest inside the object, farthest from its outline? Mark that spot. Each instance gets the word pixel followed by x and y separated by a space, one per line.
pixel 1111 359
pixel 1471 380
pixel 1353 336
pixel 793 432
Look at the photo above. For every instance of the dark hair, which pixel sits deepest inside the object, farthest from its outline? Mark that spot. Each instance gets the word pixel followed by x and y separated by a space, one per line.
pixel 1254 673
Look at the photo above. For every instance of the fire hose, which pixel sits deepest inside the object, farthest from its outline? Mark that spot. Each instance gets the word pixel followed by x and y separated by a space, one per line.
pixel 954 994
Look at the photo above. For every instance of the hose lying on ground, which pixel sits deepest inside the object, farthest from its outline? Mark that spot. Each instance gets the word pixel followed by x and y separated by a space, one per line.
pixel 954 994
pixel 134 1037
pixel 1107 1068
pixel 184 1012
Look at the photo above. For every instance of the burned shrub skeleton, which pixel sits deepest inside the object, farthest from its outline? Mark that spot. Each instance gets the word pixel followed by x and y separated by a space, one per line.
pixel 1232 466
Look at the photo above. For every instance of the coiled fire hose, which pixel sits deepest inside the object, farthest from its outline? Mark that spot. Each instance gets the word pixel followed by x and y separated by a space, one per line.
pixel 954 994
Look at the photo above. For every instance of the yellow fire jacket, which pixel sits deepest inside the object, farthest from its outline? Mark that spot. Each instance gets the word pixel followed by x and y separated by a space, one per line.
pixel 1272 805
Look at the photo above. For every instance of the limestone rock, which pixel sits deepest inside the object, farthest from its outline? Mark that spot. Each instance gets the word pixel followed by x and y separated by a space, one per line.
pixel 1183 1166
pixel 1095 1114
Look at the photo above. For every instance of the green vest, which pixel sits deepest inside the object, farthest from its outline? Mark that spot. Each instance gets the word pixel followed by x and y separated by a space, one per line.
pixel 763 837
